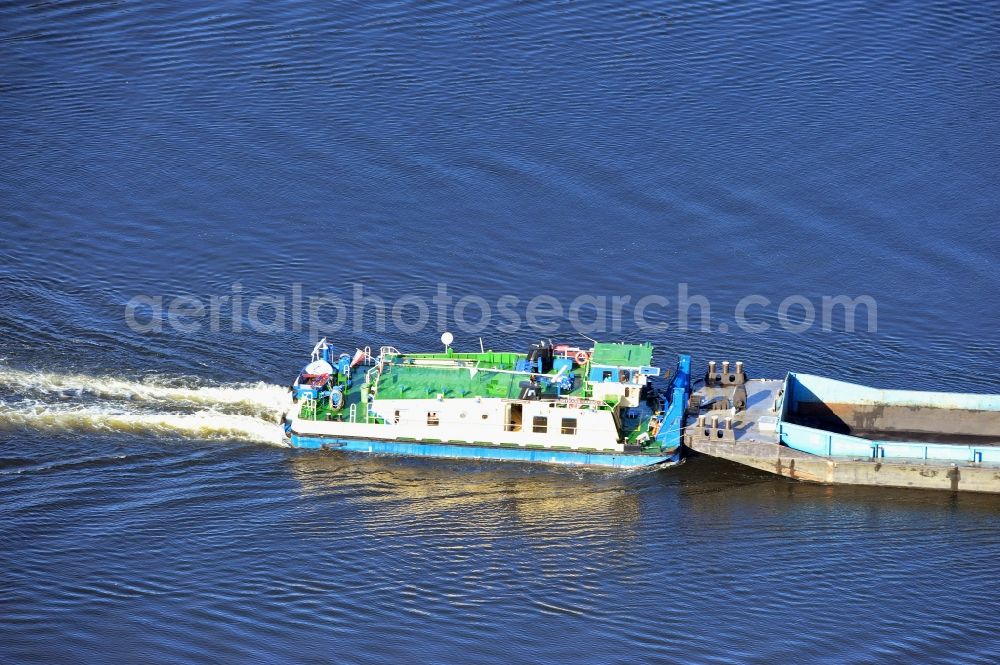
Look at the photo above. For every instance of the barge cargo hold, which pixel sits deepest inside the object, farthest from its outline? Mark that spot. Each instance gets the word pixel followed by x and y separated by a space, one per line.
pixel 837 419
pixel 817 429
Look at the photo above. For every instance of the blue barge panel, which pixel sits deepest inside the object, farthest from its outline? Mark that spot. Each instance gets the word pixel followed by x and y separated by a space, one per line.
pixel 838 419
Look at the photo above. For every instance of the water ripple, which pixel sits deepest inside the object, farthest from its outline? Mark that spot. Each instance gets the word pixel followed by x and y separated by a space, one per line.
pixel 505 148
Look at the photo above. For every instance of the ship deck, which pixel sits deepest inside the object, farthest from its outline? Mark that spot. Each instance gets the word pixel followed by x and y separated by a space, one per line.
pixel 758 421
pixel 426 376
pixel 459 378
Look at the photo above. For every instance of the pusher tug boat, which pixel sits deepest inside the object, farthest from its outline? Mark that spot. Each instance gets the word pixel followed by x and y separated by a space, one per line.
pixel 555 404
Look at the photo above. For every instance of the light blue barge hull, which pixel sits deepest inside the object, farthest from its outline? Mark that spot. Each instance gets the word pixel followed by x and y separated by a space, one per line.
pixel 462 451
pixel 931 414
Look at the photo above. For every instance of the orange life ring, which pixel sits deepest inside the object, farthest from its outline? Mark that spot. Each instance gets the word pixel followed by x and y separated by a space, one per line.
pixel 582 357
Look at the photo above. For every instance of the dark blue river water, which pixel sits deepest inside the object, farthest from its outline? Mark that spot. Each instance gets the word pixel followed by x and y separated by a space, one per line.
pixel 701 151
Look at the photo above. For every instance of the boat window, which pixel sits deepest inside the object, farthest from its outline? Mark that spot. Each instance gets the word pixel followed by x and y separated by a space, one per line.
pixel 540 424
pixel 606 376
pixel 514 418
pixel 569 425
pixel 432 418
pixel 395 417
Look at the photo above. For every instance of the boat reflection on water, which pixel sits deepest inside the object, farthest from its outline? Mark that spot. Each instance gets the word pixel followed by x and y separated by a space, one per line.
pixel 488 497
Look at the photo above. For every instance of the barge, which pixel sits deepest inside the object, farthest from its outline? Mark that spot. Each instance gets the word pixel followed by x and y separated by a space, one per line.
pixel 817 429
pixel 555 404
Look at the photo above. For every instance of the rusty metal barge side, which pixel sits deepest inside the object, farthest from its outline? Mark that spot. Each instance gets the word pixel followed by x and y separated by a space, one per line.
pixel 819 430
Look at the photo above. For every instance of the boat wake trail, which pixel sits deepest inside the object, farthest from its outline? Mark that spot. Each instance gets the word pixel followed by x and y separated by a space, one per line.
pixel 172 407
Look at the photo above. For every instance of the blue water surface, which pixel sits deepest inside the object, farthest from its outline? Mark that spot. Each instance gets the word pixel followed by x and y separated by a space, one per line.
pixel 565 149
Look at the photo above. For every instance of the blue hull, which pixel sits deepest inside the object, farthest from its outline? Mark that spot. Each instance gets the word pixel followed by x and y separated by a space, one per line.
pixel 460 451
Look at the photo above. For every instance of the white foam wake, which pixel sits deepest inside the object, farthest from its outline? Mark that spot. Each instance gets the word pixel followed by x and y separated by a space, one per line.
pixel 147 389
pixel 57 401
pixel 199 425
